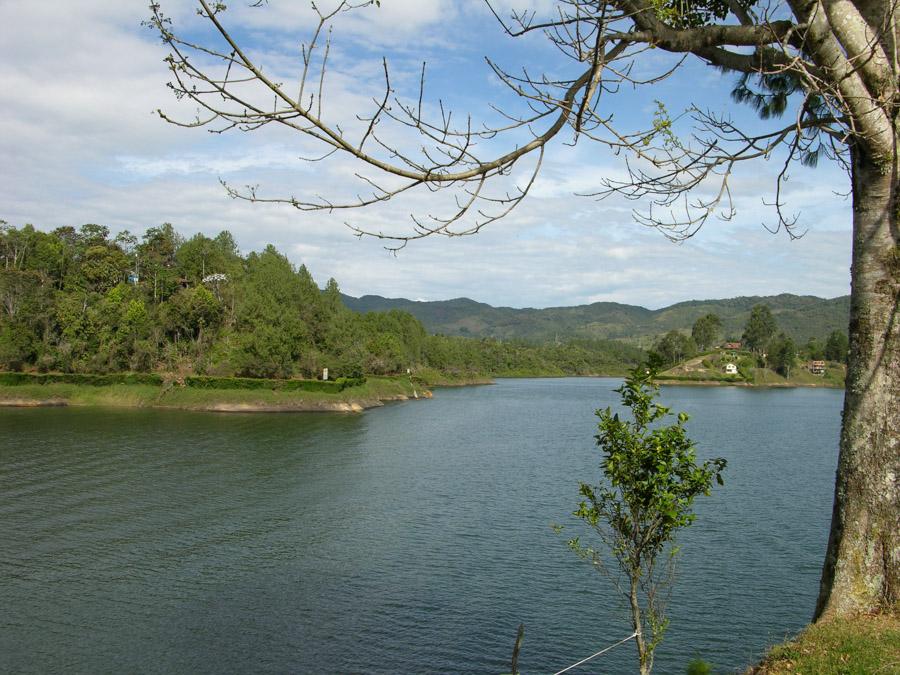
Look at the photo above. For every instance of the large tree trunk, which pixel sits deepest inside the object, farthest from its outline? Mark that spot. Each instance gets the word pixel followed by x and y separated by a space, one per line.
pixel 862 566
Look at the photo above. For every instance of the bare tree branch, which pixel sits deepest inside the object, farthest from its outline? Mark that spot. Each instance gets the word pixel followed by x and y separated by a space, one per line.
pixel 838 69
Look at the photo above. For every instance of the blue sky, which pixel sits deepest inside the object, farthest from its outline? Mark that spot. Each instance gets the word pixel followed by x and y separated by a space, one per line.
pixel 80 143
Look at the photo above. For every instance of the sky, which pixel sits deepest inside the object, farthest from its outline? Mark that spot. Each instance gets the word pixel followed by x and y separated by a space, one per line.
pixel 81 143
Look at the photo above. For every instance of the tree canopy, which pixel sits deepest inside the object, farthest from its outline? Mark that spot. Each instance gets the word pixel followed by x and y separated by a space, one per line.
pixel 760 329
pixel 81 301
pixel 836 347
pixel 706 330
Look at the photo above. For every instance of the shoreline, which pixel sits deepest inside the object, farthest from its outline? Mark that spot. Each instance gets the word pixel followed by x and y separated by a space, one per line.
pixel 751 385
pixel 349 406
pixel 32 403
pixel 375 393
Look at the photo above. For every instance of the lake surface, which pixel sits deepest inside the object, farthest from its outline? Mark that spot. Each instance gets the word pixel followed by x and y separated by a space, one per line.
pixel 410 539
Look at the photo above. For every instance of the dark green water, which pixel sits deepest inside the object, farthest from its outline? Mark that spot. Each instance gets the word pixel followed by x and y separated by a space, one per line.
pixel 409 539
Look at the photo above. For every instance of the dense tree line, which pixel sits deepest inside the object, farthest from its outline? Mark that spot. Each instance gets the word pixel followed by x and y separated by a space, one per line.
pixel 79 300
pixel 776 349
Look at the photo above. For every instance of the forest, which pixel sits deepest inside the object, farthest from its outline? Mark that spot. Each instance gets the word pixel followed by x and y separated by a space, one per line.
pixel 78 300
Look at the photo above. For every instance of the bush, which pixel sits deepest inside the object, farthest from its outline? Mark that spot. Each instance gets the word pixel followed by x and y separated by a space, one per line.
pixel 699 667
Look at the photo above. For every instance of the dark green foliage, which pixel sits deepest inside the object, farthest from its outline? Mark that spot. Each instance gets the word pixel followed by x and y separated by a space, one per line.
pixel 674 348
pixel 77 301
pixel 694 13
pixel 837 347
pixel 706 331
pixel 155 261
pixel 200 256
pixel 768 95
pixel 699 667
pixel 784 353
pixel 191 310
pixel 17 345
pixel 759 329
pixel 102 268
pixel 814 350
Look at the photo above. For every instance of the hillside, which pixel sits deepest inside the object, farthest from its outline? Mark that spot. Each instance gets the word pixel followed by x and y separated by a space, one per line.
pixel 710 368
pixel 801 317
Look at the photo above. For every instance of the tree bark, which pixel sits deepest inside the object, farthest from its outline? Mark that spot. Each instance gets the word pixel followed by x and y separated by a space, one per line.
pixel 861 572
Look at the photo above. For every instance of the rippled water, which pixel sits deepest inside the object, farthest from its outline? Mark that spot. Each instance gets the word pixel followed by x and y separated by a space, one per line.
pixel 410 539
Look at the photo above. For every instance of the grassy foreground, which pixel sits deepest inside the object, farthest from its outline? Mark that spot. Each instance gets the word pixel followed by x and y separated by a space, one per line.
pixel 865 645
pixel 370 394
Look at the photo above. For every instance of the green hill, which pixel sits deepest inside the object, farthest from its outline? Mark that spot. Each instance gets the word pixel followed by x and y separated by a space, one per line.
pixel 801 317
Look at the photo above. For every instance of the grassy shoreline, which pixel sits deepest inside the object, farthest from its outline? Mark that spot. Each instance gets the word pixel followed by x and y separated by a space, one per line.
pixel 861 644
pixel 373 393
pixel 708 370
pixel 688 382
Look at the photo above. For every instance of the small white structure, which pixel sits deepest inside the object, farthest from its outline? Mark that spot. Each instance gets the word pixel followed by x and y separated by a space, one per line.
pixel 324 373
pixel 731 369
pixel 817 367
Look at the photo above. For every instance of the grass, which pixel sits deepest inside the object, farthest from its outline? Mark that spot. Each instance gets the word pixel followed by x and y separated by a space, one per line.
pixel 865 645
pixel 702 377
pixel 431 377
pixel 116 395
pixel 141 396
pixel 800 376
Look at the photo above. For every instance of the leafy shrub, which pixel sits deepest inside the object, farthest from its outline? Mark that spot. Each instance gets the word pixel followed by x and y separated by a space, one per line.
pixel 699 667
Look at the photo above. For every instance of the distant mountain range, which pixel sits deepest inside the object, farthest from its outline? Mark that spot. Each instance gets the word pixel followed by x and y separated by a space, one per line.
pixel 800 316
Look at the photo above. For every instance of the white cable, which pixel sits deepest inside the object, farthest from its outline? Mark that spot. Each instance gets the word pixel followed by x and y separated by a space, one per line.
pixel 602 651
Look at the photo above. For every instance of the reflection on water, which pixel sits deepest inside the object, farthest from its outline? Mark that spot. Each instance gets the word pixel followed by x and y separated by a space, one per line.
pixel 410 539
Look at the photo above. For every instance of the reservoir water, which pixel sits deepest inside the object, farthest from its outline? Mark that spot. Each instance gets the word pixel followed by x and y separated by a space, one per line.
pixel 409 539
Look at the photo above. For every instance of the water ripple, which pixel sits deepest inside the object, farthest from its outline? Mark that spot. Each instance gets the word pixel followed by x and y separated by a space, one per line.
pixel 410 539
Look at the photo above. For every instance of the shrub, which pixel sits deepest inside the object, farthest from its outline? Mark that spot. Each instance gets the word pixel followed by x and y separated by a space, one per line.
pixel 699 667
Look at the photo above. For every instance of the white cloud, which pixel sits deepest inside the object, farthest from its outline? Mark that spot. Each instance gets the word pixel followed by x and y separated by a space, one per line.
pixel 264 157
pixel 399 25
